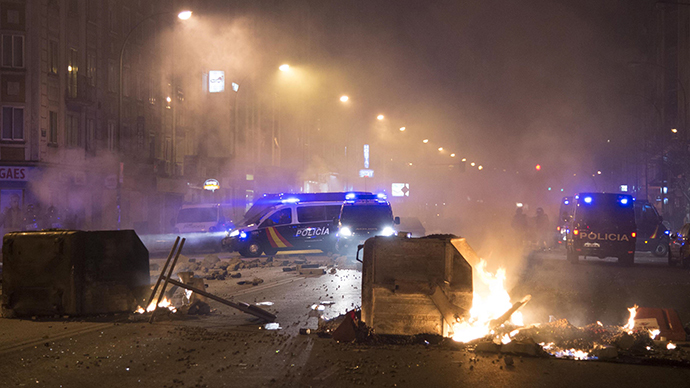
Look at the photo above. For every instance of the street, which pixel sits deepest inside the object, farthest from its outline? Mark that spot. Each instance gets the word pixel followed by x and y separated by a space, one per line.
pixel 229 348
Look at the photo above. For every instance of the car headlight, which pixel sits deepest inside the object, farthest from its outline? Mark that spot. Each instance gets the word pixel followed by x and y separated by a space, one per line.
pixel 345 231
pixel 387 231
pixel 234 233
pixel 243 235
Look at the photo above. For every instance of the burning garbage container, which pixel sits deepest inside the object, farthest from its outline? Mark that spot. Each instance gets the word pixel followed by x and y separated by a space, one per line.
pixel 415 285
pixel 69 272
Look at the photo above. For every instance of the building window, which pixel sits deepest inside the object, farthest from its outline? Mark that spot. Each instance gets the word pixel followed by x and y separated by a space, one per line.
pixel 140 135
pixel 111 136
pixel 126 81
pixel 72 70
pixel 12 123
pixel 125 21
pixel 13 51
pixel 91 69
pixel 91 135
pixel 53 57
pixel 112 16
pixel 73 136
pixel 53 117
pixel 112 77
pixel 152 90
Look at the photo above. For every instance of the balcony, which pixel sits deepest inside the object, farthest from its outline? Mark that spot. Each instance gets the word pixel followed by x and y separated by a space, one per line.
pixel 80 93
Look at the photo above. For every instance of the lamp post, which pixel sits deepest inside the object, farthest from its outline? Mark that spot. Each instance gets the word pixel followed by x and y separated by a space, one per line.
pixel 184 15
pixel 664 181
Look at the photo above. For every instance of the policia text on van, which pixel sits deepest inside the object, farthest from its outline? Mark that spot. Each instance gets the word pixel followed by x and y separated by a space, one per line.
pixel 288 226
pixel 603 225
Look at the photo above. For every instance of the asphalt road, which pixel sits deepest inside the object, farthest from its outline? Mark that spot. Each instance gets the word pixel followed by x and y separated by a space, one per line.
pixel 229 348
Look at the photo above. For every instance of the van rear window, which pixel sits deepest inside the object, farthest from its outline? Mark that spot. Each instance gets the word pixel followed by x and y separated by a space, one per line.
pixel 197 214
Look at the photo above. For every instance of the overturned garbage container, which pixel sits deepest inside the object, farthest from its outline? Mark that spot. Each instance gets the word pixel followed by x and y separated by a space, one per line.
pixel 70 272
pixel 415 285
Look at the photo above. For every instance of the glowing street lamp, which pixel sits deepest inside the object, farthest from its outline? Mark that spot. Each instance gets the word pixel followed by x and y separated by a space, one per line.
pixel 464 160
pixel 284 67
pixel 402 129
pixel 480 167
pixel 472 164
pixel 344 98
pixel 184 15
pixel 452 155
pixel 674 130
pixel 425 141
pixel 440 149
pixel 379 117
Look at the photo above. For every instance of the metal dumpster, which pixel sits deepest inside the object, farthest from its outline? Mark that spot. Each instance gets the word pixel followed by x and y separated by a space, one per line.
pixel 73 272
pixel 410 284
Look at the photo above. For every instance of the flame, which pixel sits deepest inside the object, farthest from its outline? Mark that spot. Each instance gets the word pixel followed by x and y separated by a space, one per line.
pixel 164 303
pixel 671 346
pixel 654 333
pixel 490 300
pixel 631 321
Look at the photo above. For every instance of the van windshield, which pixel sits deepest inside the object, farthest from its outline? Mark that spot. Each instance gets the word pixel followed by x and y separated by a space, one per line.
pixel 377 216
pixel 197 214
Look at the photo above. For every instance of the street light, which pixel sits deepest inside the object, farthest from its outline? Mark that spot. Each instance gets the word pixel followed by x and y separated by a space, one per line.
pixel 674 130
pixel 344 98
pixel 402 129
pixel 425 141
pixel 284 67
pixel 440 149
pixel 380 117
pixel 184 15
pixel 452 155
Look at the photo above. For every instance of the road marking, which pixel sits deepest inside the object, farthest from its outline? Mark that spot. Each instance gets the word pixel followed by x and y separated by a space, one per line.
pixel 8 348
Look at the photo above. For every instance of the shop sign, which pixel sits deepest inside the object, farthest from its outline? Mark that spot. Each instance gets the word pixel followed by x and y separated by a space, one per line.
pixel 15 173
pixel 211 184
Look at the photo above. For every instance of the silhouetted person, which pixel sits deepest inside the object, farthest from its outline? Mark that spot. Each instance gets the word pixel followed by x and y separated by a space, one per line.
pixel 541 224
pixel 519 225
pixel 12 217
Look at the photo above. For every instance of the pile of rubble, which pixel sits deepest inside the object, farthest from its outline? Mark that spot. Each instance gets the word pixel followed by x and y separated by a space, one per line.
pixel 213 268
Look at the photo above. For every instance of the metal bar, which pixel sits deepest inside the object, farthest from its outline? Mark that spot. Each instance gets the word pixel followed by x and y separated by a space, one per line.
pixel 167 279
pixel 244 307
pixel 160 277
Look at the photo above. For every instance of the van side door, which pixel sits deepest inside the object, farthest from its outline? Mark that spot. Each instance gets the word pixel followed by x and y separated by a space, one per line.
pixel 315 228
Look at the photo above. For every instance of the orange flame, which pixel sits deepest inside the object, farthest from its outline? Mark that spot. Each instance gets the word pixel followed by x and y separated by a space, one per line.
pixel 164 303
pixel 631 321
pixel 490 300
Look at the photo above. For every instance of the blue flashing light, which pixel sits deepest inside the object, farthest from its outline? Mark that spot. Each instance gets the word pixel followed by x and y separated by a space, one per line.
pixel 624 201
pixel 381 196
pixel 566 202
pixel 588 199
pixel 290 200
pixel 243 235
pixel 577 197
pixel 350 196
pixel 667 232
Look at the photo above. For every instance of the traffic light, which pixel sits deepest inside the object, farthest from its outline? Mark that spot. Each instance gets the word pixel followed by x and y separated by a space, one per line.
pixel 537 167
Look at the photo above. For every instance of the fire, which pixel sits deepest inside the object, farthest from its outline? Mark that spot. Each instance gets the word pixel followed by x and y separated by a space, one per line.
pixel 631 321
pixel 490 300
pixel 164 303
pixel 654 333
pixel 671 346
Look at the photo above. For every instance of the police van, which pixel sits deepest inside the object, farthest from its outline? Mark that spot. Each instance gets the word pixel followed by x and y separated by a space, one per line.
pixel 603 225
pixel 363 216
pixel 652 234
pixel 290 225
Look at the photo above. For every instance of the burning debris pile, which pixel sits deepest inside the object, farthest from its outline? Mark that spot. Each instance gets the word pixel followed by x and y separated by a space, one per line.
pixel 195 295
